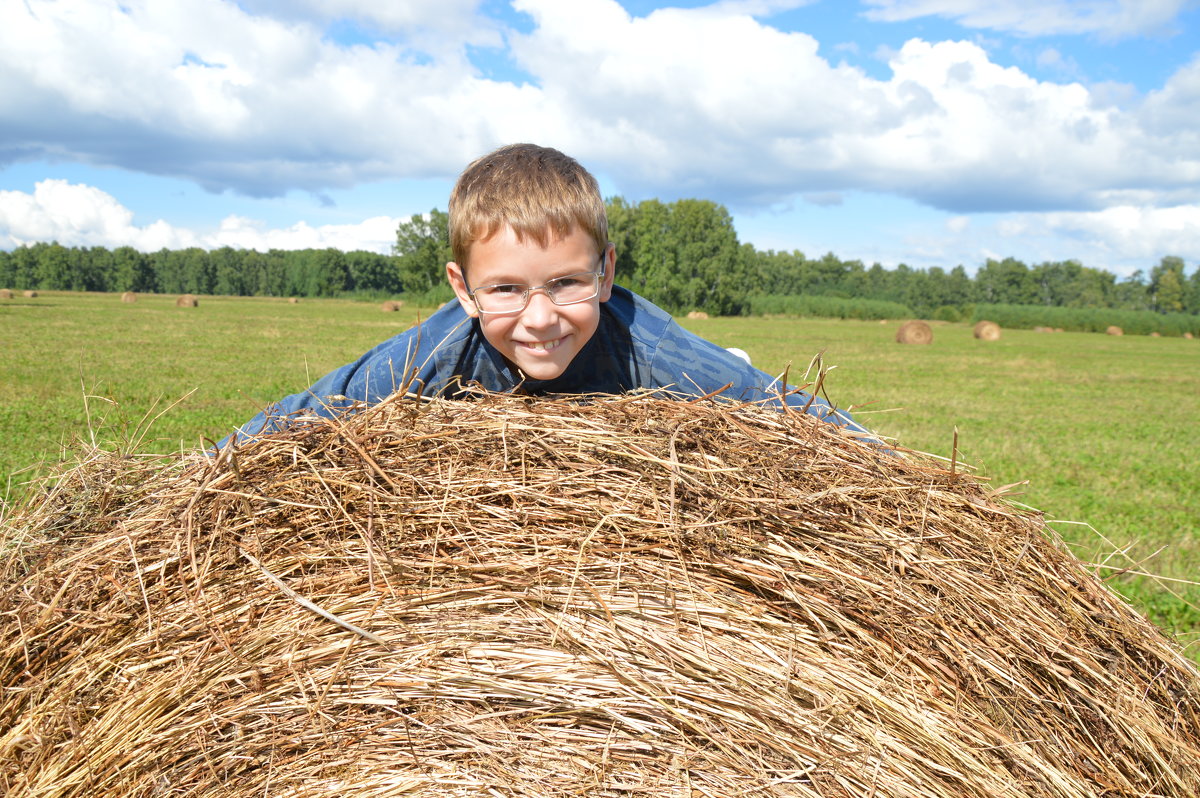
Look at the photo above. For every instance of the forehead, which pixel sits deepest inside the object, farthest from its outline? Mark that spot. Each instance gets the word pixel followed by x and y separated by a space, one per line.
pixel 507 257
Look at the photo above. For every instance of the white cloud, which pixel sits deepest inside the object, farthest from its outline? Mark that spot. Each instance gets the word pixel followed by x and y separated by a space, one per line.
pixel 1107 18
pixel 685 103
pixel 81 215
pixel 958 224
pixel 202 89
pixel 1126 232
pixel 700 102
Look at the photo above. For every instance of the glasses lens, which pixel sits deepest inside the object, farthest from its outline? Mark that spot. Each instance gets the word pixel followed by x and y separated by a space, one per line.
pixel 511 298
pixel 573 288
pixel 500 298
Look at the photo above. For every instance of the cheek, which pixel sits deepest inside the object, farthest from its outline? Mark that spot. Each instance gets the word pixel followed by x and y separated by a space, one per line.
pixel 496 329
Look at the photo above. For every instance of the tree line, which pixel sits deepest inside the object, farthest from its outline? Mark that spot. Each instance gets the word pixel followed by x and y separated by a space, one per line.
pixel 227 271
pixel 683 255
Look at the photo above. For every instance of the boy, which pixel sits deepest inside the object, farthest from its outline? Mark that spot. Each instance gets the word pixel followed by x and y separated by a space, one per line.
pixel 537 311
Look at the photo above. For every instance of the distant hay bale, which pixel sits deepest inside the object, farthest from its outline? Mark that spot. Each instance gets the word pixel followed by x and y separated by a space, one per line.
pixel 1187 335
pixel 1059 329
pixel 629 596
pixel 1114 330
pixel 187 301
pixel 697 314
pixel 1155 334
pixel 129 297
pixel 293 300
pixel 987 331
pixel 914 332
pixel 6 293
pixel 1041 329
pixel 29 294
pixel 391 306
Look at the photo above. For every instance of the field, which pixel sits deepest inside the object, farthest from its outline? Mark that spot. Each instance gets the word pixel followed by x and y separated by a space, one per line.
pixel 1095 429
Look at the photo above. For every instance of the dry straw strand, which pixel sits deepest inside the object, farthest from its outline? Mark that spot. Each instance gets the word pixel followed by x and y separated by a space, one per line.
pixel 602 596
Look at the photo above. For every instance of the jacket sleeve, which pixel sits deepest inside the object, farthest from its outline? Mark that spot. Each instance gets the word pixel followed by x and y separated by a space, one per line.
pixel 687 364
pixel 386 368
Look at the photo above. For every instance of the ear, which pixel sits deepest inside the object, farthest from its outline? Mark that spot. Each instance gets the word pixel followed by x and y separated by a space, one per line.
pixel 610 272
pixel 458 282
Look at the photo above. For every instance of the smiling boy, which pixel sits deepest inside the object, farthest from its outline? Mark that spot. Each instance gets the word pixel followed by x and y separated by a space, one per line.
pixel 537 311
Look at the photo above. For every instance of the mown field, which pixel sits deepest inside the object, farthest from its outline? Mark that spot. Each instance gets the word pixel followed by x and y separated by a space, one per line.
pixel 1097 429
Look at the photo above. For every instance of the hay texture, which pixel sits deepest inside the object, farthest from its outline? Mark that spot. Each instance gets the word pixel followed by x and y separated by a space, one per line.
pixel 987 331
pixel 293 300
pixel 187 301
pixel 1114 330
pixel 697 314
pixel 625 597
pixel 6 293
pixel 914 332
pixel 391 306
pixel 129 297
pixel 29 294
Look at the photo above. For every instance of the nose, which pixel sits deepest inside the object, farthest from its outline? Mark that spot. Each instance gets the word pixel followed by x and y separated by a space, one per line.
pixel 540 311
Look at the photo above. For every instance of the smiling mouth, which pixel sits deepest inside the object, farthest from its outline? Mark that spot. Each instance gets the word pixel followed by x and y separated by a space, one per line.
pixel 543 346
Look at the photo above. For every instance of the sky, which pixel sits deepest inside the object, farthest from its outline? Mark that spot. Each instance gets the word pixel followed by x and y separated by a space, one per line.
pixel 924 132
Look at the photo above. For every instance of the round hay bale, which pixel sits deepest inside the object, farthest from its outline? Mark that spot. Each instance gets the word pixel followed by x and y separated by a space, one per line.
pixel 1187 335
pixel 6 293
pixel 697 314
pixel 987 331
pixel 129 297
pixel 293 300
pixel 29 294
pixel 1114 330
pixel 187 301
pixel 1155 334
pixel 390 306
pixel 551 598
pixel 914 332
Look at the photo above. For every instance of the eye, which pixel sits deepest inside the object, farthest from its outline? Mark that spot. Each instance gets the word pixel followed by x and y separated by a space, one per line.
pixel 567 282
pixel 504 289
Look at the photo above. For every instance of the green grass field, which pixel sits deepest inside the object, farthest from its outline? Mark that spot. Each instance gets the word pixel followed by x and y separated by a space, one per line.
pixel 1097 428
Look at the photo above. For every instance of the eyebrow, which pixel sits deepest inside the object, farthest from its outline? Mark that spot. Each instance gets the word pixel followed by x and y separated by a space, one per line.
pixel 556 273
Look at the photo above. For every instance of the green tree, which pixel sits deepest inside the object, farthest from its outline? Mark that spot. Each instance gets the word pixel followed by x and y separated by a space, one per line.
pixel 423 249
pixel 1132 293
pixel 1006 282
pixel 373 272
pixel 229 272
pixel 1167 285
pixel 1192 295
pixel 53 267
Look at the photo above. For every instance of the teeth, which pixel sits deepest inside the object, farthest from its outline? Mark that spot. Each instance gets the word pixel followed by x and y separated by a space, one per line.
pixel 543 346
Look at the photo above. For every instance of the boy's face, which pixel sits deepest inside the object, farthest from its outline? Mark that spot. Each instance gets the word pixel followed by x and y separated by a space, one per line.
pixel 544 338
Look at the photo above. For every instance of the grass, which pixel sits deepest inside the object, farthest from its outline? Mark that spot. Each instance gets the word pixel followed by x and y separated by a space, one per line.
pixel 1096 427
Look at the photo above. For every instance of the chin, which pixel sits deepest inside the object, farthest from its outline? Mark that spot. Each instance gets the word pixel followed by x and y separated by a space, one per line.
pixel 542 371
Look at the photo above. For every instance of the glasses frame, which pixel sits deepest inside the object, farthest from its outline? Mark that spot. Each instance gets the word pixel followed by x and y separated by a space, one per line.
pixel 599 275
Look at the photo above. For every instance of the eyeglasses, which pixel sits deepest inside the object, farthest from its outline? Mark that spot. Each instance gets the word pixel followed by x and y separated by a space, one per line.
pixel 514 297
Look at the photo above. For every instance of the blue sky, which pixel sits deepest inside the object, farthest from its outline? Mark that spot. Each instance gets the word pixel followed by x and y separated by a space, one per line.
pixel 926 132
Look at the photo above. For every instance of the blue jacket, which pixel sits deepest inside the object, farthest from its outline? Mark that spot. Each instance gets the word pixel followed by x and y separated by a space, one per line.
pixel 636 346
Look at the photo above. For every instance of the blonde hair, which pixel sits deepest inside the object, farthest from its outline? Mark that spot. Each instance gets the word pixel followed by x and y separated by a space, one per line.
pixel 537 191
